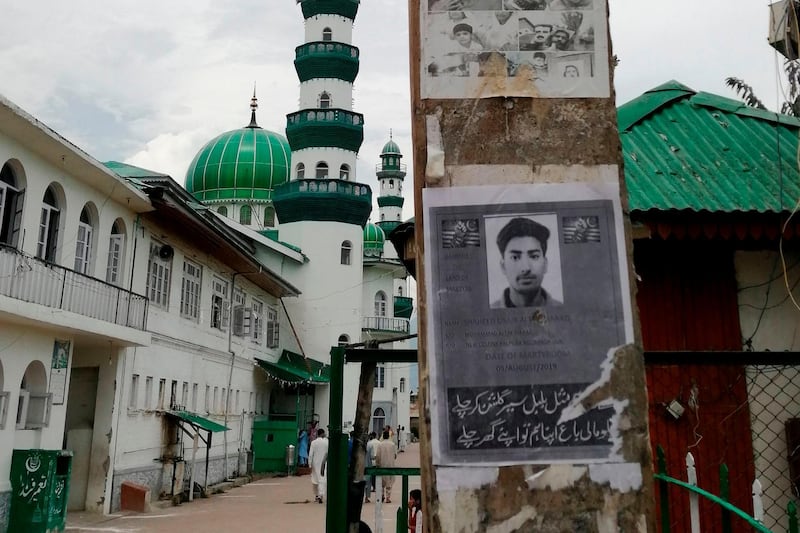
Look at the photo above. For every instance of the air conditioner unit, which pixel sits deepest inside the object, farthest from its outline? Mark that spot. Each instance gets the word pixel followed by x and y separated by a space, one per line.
pixel 784 28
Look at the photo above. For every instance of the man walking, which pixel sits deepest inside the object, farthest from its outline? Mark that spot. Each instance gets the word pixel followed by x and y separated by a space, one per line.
pixel 387 453
pixel 372 451
pixel 318 458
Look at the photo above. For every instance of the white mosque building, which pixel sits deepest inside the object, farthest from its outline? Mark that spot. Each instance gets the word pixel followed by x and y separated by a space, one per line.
pixel 136 313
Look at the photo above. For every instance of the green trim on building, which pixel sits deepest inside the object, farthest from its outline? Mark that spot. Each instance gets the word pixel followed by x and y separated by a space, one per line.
pixel 345 8
pixel 390 201
pixel 388 225
pixel 388 172
pixel 323 200
pixel 321 59
pixel 403 306
pixel 332 128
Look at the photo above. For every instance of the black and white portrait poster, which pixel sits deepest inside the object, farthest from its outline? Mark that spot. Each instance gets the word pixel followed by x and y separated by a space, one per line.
pixel 528 300
pixel 536 48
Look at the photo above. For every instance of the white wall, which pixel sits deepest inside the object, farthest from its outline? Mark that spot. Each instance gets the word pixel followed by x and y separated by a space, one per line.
pixel 21 346
pixel 341 27
pixel 766 313
pixel 340 92
pixel 334 157
pixel 38 175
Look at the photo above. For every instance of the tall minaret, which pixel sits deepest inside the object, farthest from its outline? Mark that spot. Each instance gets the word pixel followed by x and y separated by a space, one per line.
pixel 325 135
pixel 322 209
pixel 390 174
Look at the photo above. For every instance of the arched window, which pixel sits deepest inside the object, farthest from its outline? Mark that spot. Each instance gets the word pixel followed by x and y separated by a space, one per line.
pixel 391 184
pixel 116 247
pixel 344 172
pixel 378 421
pixel 246 215
pixel 344 340
pixel 269 216
pixel 33 409
pixel 380 303
pixel 383 217
pixel 327 34
pixel 347 249
pixel 402 384
pixel 47 243
pixel 399 291
pixel 322 170
pixel 11 198
pixel 222 210
pixel 83 242
pixel 324 101
pixel 300 171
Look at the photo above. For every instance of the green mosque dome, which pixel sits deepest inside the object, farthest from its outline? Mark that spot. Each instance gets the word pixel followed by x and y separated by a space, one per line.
pixel 374 238
pixel 243 164
pixel 390 148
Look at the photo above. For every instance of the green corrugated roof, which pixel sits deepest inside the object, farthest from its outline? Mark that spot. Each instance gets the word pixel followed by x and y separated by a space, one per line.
pixel 686 150
pixel 130 171
pixel 294 368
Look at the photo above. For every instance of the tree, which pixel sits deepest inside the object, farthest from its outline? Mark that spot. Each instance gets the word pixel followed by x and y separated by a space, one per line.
pixel 792 104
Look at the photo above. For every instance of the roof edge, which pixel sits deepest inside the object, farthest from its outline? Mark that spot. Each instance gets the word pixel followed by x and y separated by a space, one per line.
pixel 630 113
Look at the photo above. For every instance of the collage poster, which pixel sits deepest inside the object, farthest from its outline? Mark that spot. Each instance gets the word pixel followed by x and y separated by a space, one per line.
pixel 528 48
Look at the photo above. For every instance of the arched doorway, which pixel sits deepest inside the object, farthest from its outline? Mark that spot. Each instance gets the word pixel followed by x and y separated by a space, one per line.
pixel 378 421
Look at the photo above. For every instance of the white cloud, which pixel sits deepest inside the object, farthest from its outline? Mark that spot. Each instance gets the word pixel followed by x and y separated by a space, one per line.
pixel 150 82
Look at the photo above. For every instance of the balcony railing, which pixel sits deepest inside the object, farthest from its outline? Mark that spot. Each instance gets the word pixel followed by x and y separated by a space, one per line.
pixel 391 168
pixel 326 59
pixel 382 323
pixel 30 279
pixel 323 199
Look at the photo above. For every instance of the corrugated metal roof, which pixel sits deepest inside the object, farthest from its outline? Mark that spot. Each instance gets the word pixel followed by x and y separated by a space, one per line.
pixel 685 150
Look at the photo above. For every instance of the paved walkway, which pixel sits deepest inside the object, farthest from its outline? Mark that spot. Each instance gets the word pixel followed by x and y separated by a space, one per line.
pixel 267 505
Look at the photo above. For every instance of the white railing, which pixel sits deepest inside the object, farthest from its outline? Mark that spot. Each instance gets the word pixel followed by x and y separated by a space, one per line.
pixel 383 323
pixel 32 280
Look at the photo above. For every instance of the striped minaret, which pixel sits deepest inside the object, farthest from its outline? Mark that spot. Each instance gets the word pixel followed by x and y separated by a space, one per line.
pixel 322 210
pixel 326 134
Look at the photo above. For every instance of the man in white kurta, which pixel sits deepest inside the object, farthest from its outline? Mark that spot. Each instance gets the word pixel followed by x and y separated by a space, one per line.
pixel 318 458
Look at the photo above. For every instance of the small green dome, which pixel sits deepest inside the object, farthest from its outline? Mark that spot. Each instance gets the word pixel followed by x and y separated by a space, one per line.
pixel 390 148
pixel 243 164
pixel 374 239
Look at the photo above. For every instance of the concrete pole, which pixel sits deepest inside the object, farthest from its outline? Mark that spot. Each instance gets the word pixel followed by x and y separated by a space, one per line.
pixel 194 464
pixel 496 123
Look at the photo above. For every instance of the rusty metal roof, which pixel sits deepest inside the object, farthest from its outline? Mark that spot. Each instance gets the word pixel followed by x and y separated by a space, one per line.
pixel 688 150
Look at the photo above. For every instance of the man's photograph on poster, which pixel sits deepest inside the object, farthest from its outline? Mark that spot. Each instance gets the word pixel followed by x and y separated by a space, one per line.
pixel 523 261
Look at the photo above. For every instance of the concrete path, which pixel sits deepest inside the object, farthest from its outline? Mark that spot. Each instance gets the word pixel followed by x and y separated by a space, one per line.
pixel 267 505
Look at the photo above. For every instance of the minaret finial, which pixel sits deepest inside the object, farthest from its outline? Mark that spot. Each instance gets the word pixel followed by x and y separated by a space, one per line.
pixel 253 106
pixel 390 134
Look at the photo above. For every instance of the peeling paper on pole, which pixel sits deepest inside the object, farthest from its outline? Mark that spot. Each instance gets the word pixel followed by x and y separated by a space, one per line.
pixel 434 166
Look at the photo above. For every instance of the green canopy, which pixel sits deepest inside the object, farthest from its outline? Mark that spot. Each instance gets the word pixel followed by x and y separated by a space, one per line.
pixel 294 368
pixel 198 421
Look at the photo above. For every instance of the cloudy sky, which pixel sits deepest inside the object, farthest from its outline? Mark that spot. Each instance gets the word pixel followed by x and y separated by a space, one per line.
pixel 149 82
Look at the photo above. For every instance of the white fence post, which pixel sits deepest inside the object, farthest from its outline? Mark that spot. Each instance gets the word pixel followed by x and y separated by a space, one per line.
pixel 694 505
pixel 758 504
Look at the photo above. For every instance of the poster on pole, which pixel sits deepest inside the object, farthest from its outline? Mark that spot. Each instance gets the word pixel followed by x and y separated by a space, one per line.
pixel 528 299
pixel 59 368
pixel 528 48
